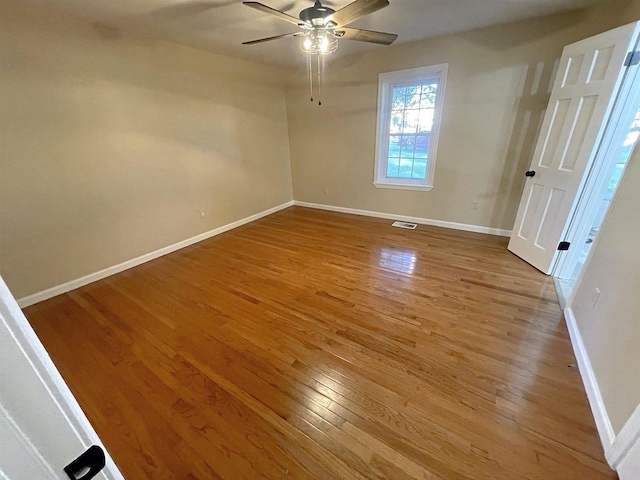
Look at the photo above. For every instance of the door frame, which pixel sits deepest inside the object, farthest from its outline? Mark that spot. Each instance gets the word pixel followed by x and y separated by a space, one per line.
pixel 580 221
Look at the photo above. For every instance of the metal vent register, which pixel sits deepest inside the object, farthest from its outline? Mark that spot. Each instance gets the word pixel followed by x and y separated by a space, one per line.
pixel 410 226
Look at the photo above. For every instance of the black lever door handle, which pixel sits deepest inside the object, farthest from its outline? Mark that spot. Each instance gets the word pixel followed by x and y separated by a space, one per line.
pixel 530 173
pixel 87 465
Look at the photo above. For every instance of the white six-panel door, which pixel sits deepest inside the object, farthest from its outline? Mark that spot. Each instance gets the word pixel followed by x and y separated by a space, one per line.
pixel 589 75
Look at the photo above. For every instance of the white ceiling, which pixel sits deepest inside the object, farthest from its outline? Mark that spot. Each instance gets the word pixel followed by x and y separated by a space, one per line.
pixel 222 25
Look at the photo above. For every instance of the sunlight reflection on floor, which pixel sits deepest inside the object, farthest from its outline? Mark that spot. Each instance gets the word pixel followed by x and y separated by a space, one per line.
pixel 402 261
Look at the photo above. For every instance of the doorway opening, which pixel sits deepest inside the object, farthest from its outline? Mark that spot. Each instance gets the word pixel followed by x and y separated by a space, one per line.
pixel 619 140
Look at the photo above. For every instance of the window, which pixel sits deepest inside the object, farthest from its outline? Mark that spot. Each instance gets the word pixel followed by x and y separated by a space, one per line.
pixel 409 112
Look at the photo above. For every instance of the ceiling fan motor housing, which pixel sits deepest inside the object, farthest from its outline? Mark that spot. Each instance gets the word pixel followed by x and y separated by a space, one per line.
pixel 315 15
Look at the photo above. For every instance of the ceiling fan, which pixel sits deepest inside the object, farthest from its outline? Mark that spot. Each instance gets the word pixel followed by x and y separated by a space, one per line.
pixel 322 27
pixel 320 21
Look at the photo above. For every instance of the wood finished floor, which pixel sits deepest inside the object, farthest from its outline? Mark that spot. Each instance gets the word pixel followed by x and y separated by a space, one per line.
pixel 318 345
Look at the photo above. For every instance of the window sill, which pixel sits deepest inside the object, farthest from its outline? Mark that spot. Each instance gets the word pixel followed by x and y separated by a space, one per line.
pixel 403 186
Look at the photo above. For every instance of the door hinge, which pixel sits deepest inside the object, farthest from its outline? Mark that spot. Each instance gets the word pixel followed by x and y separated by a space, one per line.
pixel 633 58
pixel 564 246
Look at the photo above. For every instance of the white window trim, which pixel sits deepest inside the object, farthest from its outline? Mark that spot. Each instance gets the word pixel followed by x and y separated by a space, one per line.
pixel 386 82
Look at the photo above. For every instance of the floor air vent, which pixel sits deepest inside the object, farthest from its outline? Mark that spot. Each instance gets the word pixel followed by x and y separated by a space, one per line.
pixel 410 226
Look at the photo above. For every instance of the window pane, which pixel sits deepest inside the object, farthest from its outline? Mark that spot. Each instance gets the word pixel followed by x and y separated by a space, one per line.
pixel 392 167
pixel 394 146
pixel 425 122
pixel 429 95
pixel 430 87
pixel 625 152
pixel 422 146
pixel 399 94
pixel 407 145
pixel 419 169
pixel 396 122
pixel 411 119
pixel 413 96
pixel 406 168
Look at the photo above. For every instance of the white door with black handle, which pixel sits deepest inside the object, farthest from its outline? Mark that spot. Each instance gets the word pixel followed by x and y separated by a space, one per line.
pixel 589 76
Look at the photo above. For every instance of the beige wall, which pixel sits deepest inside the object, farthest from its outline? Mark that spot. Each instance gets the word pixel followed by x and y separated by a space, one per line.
pixel 497 90
pixel 610 330
pixel 110 146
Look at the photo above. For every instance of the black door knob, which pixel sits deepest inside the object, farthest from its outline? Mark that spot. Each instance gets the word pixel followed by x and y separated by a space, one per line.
pixel 531 173
pixel 87 465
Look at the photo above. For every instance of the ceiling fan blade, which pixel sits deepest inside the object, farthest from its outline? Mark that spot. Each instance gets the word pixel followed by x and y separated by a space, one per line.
pixel 268 39
pixel 273 11
pixel 367 36
pixel 355 10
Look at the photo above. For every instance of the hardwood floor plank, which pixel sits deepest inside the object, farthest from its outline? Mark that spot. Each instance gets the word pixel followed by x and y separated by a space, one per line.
pixel 314 345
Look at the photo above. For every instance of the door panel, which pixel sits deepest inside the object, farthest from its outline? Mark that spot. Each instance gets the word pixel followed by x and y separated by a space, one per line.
pixel 549 218
pixel 589 76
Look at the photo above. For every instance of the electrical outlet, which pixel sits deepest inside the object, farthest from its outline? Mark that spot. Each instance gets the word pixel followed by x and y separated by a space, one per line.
pixel 202 214
pixel 326 190
pixel 474 205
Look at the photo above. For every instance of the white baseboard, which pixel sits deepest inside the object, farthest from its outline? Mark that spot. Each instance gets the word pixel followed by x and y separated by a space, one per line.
pixel 404 218
pixel 80 282
pixel 625 441
pixel 628 467
pixel 605 429
pixel 617 448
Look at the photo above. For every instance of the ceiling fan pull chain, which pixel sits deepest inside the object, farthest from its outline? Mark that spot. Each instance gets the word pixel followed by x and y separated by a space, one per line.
pixel 319 79
pixel 310 70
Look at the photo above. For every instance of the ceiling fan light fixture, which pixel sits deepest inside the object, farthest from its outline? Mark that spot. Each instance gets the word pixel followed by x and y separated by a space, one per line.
pixel 323 43
pixel 318 42
pixel 307 44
